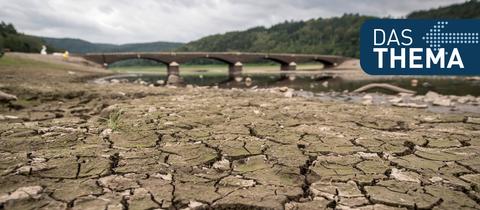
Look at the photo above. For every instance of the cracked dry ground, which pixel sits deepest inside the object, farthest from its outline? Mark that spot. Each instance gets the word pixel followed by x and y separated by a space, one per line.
pixel 204 148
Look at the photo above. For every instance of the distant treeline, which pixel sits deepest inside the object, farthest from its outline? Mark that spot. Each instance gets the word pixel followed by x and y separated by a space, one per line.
pixel 336 36
pixel 467 10
pixel 12 40
pixel 82 46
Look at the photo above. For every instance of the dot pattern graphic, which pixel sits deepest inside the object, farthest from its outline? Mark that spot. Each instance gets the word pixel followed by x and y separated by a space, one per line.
pixel 436 37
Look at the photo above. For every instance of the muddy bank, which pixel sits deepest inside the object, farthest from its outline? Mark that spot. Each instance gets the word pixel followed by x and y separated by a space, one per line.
pixel 467 99
pixel 66 144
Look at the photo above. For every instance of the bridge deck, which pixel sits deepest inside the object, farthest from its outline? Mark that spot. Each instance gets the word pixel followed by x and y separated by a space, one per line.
pixel 235 60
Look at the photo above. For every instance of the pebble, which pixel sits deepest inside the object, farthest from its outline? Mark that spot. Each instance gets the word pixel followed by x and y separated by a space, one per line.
pixel 106 133
pixel 152 109
pixel 404 176
pixel 22 193
pixel 222 165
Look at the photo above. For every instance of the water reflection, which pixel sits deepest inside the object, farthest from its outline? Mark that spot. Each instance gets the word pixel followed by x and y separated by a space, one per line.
pixel 319 82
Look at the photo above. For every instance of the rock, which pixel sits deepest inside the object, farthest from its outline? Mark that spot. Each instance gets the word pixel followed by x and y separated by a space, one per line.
pixel 367 155
pixel 317 203
pixel 404 176
pixel 367 100
pixel 248 81
pixel 334 190
pixel 115 81
pixel 105 113
pixel 288 94
pixel 106 133
pixel 90 202
pixel 414 83
pixel 7 97
pixel 194 205
pixel 380 194
pixel 141 199
pixel 166 177
pixel 160 82
pixel 442 102
pixel 431 96
pixel 115 207
pixel 437 99
pixel 37 164
pixel 411 105
pixel 8 117
pixel 395 100
pixel 174 80
pixel 22 193
pixel 283 89
pixel 238 79
pixel 436 179
pixel 465 99
pixel 119 94
pixel 117 183
pixel 473 120
pixel 223 165
pixel 473 78
pixel 236 181
pixel 325 84
pixel 152 109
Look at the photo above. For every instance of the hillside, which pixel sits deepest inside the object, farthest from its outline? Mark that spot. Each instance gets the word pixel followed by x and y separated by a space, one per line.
pixel 12 40
pixel 337 36
pixel 466 10
pixel 81 46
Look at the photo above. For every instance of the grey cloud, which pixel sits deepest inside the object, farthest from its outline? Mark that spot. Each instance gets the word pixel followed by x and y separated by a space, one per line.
pixel 122 21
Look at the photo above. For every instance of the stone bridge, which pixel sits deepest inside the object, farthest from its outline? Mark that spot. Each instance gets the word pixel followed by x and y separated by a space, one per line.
pixel 235 61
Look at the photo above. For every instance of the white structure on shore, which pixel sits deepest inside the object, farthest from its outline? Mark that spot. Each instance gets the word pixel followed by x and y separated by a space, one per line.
pixel 44 50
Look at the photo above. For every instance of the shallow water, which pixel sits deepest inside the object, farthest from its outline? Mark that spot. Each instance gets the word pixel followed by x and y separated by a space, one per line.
pixel 321 82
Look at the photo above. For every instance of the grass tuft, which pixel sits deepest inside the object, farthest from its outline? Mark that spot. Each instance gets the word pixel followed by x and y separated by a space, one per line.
pixel 113 120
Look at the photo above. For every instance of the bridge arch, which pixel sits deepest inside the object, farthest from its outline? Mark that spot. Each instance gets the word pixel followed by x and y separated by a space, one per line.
pixel 234 60
pixel 326 63
pixel 116 61
pixel 285 65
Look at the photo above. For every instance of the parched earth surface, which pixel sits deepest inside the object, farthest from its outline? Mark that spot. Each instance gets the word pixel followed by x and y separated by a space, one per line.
pixel 66 144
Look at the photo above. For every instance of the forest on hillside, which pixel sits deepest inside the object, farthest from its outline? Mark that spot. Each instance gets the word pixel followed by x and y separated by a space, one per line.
pixel 12 40
pixel 336 36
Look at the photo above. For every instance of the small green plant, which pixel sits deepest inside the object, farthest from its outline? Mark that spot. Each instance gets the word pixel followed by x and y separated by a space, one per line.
pixel 114 119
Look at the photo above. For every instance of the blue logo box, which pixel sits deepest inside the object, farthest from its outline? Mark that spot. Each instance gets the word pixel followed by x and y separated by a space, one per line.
pixel 420 47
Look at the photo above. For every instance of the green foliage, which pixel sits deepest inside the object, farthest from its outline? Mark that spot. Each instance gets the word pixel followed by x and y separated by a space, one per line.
pixel 470 9
pixel 22 43
pixel 114 119
pixel 1 46
pixel 335 36
pixel 7 29
pixel 11 39
pixel 81 46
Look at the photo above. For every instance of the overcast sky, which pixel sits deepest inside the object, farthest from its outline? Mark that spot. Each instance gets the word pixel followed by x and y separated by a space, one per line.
pixel 126 21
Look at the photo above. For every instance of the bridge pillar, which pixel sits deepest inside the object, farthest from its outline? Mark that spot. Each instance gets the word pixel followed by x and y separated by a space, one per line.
pixel 173 68
pixel 328 65
pixel 173 74
pixel 292 66
pixel 235 70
